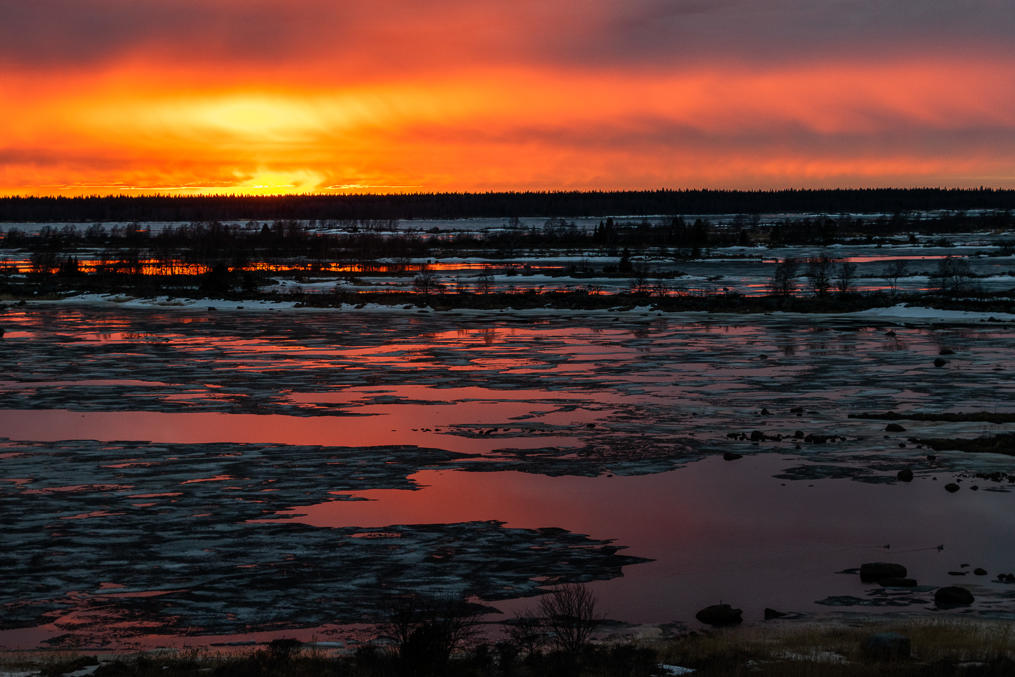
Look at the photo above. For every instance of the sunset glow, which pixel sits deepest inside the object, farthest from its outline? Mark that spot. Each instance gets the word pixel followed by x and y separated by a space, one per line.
pixel 249 98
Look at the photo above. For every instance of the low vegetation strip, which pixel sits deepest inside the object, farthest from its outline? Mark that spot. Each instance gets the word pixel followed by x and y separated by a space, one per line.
pixel 994 444
pixel 936 648
pixel 949 417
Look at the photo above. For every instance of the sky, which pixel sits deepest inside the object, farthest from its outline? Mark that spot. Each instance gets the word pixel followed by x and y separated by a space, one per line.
pixel 336 96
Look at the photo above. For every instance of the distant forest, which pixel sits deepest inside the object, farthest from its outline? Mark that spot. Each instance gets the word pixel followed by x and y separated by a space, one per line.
pixel 496 205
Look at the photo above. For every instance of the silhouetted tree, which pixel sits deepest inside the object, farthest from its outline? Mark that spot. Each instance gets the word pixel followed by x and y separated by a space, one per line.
pixel 818 273
pixel 844 276
pixel 784 277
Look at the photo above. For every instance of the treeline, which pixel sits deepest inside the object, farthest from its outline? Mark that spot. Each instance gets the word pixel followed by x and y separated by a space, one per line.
pixel 669 236
pixel 497 205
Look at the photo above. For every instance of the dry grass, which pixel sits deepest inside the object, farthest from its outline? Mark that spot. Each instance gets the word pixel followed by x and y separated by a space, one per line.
pixel 938 646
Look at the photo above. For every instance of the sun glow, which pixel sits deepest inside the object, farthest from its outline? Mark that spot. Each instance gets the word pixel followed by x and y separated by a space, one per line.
pixel 902 122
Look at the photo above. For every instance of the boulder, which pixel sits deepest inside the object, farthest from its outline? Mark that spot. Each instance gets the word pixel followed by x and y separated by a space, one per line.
pixel 873 572
pixel 886 646
pixel 720 615
pixel 940 362
pixel 894 428
pixel 979 571
pixel 952 596
pixel 771 614
pixel 904 475
pixel 951 487
pixel 732 456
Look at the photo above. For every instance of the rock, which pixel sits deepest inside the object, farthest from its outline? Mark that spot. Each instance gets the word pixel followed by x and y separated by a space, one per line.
pixel 720 615
pixel 765 412
pixel 979 571
pixel 886 646
pixel 894 428
pixel 1 332
pixel 951 487
pixel 904 475
pixel 952 596
pixel 940 362
pixel 798 434
pixel 771 614
pixel 946 351
pixel 898 582
pixel 731 456
pixel 1006 578
pixel 872 572
pixel 757 436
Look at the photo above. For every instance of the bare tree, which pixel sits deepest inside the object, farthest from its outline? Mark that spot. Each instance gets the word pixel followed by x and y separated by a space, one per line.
pixel 527 632
pixel 896 269
pixel 426 282
pixel 953 274
pixel 844 276
pixel 818 269
pixel 570 615
pixel 784 278
pixel 639 280
pixel 484 282
pixel 427 630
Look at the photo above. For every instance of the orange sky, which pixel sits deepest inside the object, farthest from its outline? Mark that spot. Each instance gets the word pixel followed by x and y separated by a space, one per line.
pixel 224 96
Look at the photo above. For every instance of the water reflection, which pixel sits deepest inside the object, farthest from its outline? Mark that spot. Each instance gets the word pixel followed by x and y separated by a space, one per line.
pixel 259 445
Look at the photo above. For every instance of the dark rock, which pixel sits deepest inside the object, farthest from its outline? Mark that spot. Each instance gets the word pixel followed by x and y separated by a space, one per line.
pixel 797 410
pixel 979 571
pixel 872 572
pixel 720 615
pixel 898 582
pixel 757 436
pixel 771 614
pixel 946 351
pixel 940 362
pixel 904 475
pixel 816 439
pixel 1006 578
pixel 952 596
pixel 766 412
pixel 894 428
pixel 1 332
pixel 799 434
pixel 951 487
pixel 886 646
pixel 731 456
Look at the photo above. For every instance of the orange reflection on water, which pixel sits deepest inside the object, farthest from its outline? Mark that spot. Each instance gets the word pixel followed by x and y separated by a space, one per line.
pixel 152 266
pixel 389 425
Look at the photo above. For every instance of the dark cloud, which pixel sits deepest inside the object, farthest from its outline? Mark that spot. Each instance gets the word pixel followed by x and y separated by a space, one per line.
pixel 452 33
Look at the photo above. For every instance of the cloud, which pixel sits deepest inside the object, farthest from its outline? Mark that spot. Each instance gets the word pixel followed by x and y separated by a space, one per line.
pixel 478 94
pixel 387 35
